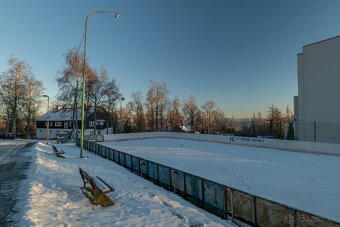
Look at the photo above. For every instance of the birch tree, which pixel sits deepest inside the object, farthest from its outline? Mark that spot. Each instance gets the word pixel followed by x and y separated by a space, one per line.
pixel 70 83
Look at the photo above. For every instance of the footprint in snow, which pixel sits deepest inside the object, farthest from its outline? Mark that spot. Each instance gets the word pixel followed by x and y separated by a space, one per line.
pixel 191 222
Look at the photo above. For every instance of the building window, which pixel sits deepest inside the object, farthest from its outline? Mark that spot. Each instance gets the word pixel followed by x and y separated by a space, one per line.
pixel 51 124
pixel 45 123
pixel 57 124
pixel 100 122
pixel 91 133
pixel 66 124
pixel 91 124
pixel 99 132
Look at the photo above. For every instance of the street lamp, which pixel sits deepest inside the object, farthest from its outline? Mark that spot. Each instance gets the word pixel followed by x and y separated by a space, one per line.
pixel 82 113
pixel 48 114
pixel 121 114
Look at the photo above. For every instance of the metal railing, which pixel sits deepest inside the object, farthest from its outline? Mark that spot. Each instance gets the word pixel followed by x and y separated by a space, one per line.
pixel 221 200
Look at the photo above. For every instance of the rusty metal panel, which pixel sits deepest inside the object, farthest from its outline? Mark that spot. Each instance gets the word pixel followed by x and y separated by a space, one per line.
pixel 177 179
pixel 304 219
pixel 214 194
pixel 102 151
pixel 135 163
pixel 144 167
pixel 121 158
pixel 128 160
pixel 164 174
pixel 116 155
pixel 273 214
pixel 243 206
pixel 111 154
pixel 153 170
pixel 228 197
pixel 99 149
pixel 193 186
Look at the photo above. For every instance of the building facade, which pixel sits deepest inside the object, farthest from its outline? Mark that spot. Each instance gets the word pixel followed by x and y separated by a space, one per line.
pixel 317 107
pixel 61 122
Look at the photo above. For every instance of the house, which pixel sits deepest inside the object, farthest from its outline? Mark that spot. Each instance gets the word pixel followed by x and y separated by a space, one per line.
pixel 317 106
pixel 61 121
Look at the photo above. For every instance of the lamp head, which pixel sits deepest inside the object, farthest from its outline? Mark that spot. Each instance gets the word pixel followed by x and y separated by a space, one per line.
pixel 45 96
pixel 117 15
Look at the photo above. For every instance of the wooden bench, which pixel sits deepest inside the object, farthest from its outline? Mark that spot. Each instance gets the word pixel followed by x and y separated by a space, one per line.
pixel 98 186
pixel 58 153
pixel 56 150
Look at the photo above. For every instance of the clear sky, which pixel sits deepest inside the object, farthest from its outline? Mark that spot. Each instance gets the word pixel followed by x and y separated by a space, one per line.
pixel 240 54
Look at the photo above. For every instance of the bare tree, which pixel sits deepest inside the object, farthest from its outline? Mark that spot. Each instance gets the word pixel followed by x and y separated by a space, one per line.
pixel 6 99
pixel 136 103
pixel 20 96
pixel 150 106
pixel 156 104
pixel 32 102
pixel 136 106
pixel 208 107
pixel 175 118
pixel 190 109
pixel 111 96
pixel 70 82
pixel 98 91
pixel 13 90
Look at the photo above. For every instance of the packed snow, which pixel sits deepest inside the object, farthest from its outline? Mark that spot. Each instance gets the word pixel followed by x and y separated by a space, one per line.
pixel 51 195
pixel 304 181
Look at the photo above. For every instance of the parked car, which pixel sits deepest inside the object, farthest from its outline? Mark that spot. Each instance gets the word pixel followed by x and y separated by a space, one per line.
pixel 6 135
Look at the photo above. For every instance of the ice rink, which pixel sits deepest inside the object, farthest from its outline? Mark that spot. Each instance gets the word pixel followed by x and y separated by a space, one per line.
pixel 304 181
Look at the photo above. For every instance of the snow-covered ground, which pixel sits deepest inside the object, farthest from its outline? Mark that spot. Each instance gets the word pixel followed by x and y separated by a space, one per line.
pixel 304 181
pixel 51 195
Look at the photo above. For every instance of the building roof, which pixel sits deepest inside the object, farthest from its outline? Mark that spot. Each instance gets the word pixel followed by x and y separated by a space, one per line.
pixel 64 114
pixel 335 37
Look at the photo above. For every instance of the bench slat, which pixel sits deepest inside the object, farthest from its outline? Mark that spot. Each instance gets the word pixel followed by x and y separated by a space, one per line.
pixel 111 189
pixel 100 185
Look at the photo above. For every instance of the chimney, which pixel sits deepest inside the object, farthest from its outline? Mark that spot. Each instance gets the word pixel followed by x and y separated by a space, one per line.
pixel 58 107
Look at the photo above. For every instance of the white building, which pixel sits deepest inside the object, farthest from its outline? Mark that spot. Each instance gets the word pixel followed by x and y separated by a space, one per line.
pixel 61 121
pixel 317 107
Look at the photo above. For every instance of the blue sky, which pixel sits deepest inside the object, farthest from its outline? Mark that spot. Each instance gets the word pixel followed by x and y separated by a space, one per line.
pixel 240 54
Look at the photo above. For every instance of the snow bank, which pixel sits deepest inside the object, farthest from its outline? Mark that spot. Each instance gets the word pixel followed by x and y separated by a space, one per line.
pixel 51 195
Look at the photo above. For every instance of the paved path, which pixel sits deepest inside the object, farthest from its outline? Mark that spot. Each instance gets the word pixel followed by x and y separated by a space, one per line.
pixel 13 164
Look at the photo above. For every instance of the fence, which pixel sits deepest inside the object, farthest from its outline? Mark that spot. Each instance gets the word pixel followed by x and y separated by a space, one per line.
pixel 221 200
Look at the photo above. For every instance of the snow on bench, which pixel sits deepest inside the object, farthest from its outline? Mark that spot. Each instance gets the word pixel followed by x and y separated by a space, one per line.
pixel 98 186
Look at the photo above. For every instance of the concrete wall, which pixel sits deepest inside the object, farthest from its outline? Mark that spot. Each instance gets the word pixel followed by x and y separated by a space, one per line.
pixel 289 145
pixel 318 91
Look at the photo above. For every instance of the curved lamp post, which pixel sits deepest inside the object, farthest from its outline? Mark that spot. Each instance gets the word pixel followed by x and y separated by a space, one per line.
pixel 82 113
pixel 48 115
